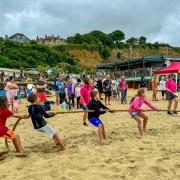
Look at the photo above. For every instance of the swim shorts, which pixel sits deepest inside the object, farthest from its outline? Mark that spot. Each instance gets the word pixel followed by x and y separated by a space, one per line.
pixel 85 108
pixel 9 135
pixel 48 130
pixel 95 121
pixel 134 113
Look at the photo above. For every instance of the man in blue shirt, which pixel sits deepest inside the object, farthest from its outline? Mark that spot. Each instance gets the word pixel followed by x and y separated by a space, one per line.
pixel 60 89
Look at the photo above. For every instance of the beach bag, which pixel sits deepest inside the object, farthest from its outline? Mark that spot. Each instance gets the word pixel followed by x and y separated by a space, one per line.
pixel 63 106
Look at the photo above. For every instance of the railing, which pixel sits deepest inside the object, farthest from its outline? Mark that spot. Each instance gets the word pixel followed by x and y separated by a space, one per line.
pixel 139 72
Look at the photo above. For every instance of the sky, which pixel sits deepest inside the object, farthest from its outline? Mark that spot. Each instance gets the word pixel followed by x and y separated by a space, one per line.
pixel 158 20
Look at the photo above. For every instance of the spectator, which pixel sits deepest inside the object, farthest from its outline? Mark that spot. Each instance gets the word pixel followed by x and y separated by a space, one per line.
pixel 11 90
pixel 123 88
pixel 162 87
pixel 154 83
pixel 85 97
pixel 171 94
pixel 107 89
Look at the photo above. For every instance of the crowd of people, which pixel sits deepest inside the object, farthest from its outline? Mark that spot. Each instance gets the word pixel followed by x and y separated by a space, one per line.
pixel 75 92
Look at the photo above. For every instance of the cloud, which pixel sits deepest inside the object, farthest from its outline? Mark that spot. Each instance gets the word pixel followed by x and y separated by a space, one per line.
pixel 157 20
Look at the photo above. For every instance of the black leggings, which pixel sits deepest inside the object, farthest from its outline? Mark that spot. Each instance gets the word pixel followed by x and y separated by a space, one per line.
pixel 62 97
pixel 78 104
pixel 163 93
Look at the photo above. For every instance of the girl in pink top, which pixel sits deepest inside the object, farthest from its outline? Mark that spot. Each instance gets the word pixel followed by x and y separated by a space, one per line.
pixel 136 111
pixel 15 104
pixel 171 95
pixel 85 97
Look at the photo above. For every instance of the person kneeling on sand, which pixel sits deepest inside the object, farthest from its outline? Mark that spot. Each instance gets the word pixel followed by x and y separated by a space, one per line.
pixel 93 117
pixel 136 111
pixel 5 132
pixel 37 114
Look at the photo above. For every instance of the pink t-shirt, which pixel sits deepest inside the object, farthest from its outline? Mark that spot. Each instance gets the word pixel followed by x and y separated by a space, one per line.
pixel 138 102
pixel 122 85
pixel 171 85
pixel 15 103
pixel 85 93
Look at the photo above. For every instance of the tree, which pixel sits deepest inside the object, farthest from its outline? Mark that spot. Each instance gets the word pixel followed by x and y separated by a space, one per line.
pixel 101 36
pixel 117 36
pixel 142 40
pixel 132 41
pixel 105 52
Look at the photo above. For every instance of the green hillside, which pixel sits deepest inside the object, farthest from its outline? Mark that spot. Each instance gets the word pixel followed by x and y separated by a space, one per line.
pixel 31 55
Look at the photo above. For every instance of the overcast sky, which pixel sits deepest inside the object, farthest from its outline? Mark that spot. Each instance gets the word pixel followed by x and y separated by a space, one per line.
pixel 158 20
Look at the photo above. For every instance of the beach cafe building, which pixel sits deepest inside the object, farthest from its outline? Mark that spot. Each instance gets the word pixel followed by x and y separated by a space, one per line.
pixel 134 69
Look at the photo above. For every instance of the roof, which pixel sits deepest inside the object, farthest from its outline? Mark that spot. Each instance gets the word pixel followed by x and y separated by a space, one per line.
pixel 172 68
pixel 157 58
pixel 17 35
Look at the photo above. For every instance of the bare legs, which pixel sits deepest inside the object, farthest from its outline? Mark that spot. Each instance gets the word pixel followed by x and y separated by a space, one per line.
pixel 107 100
pixel 17 144
pixel 59 141
pixel 154 98
pixel 101 132
pixel 57 99
pixel 141 128
pixel 85 117
pixel 170 104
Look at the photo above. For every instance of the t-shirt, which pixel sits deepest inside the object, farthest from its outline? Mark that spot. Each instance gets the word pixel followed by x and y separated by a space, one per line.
pixel 11 92
pixel 100 85
pixel 85 92
pixel 77 91
pixel 122 85
pixel 60 87
pixel 171 84
pixel 4 114
pixel 37 114
pixel 96 106
pixel 107 85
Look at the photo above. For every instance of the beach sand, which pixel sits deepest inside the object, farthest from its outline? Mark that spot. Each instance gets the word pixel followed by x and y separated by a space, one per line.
pixel 124 156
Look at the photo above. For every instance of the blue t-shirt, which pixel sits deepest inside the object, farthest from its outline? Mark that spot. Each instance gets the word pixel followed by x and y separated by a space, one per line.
pixel 60 87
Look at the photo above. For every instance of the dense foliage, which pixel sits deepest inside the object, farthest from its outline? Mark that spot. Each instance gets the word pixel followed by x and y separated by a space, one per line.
pixel 31 55
pixel 104 43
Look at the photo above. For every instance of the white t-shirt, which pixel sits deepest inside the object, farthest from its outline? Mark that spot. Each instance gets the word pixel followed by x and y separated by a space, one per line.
pixel 77 91
pixel 162 85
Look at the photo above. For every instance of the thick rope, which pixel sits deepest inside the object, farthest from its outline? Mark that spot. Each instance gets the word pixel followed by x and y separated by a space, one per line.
pixel 14 128
pixel 115 110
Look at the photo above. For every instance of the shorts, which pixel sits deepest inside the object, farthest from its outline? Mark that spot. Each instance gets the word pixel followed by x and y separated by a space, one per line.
pixel 108 93
pixel 114 93
pixel 85 108
pixel 42 96
pixel 134 113
pixel 48 130
pixel 170 96
pixel 9 135
pixel 95 121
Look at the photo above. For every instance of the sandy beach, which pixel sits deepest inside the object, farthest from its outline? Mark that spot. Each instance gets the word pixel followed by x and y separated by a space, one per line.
pixel 124 156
